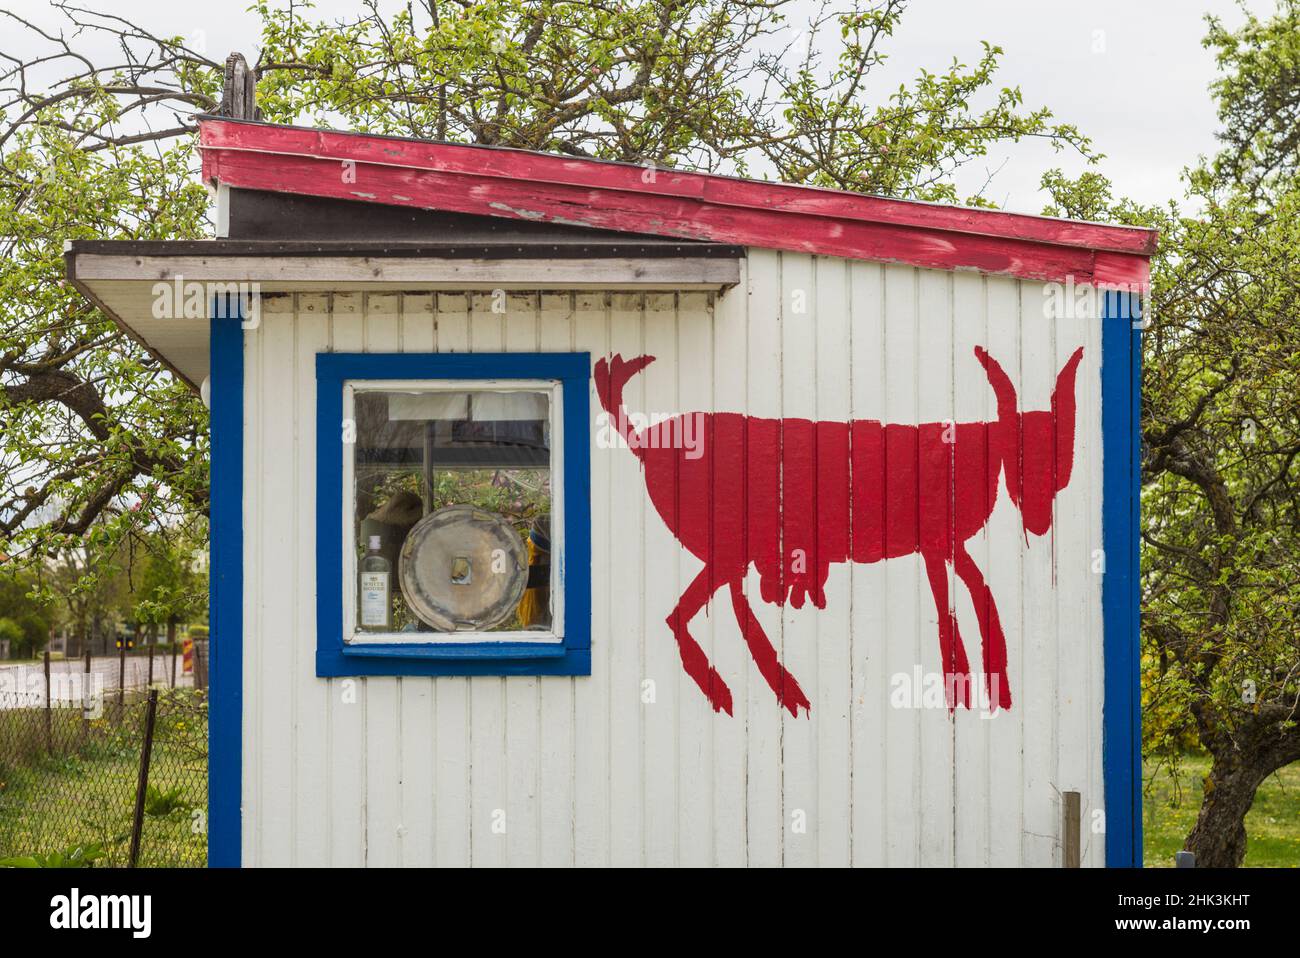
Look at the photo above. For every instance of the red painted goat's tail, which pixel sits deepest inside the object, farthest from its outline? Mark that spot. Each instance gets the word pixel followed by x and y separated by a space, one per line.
pixel 611 376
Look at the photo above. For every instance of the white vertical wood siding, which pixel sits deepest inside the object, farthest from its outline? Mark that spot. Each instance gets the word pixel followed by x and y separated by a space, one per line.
pixel 631 766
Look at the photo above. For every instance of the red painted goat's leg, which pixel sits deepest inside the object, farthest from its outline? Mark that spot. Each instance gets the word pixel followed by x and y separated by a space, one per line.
pixel 782 682
pixel 995 643
pixel 956 671
pixel 694 660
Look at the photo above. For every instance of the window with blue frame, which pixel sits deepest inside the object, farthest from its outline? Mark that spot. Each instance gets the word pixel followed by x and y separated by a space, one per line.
pixel 453 517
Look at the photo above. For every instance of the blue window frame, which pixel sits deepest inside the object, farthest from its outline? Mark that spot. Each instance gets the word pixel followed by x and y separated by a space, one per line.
pixel 570 653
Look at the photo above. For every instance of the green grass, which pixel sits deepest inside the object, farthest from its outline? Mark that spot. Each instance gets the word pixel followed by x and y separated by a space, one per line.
pixel 85 793
pixel 1170 806
pixel 60 803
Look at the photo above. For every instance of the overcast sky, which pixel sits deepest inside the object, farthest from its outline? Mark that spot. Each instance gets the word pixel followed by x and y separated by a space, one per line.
pixel 1131 74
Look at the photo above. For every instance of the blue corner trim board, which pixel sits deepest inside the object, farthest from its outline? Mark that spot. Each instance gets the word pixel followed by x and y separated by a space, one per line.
pixel 225 583
pixel 1121 392
pixel 334 657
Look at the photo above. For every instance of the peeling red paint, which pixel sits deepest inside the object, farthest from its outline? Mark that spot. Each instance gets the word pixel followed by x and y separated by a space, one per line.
pixel 615 196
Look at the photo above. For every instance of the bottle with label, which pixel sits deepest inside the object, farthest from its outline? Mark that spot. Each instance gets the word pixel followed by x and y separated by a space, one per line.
pixel 376 601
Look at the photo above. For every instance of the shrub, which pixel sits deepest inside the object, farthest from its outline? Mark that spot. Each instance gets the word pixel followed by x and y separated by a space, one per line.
pixel 75 856
pixel 12 632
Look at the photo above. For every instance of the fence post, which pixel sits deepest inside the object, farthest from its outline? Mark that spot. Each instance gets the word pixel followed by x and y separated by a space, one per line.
pixel 149 683
pixel 1073 821
pixel 142 784
pixel 200 659
pixel 174 644
pixel 49 714
pixel 121 674
pixel 86 692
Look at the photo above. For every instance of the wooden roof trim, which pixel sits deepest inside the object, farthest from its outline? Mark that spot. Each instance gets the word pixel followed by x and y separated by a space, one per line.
pixel 411 272
pixel 688 219
pixel 229 136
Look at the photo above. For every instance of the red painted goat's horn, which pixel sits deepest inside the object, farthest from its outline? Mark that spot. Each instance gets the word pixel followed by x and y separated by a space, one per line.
pixel 1002 387
pixel 1063 414
pixel 611 376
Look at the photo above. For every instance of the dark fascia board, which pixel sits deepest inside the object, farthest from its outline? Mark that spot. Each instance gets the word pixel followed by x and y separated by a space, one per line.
pixel 268 215
pixel 503 250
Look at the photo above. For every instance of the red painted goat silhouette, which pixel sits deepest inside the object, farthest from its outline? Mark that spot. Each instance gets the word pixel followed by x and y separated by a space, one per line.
pixel 817 493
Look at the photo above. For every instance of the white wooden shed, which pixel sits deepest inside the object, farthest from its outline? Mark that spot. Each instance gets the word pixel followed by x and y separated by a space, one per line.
pixel 844 574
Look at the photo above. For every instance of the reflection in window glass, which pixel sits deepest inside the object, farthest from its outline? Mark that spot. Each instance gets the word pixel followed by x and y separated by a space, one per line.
pixel 451 510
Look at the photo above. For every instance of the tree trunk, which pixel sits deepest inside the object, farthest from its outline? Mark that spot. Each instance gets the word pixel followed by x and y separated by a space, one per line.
pixel 1219 837
pixel 1246 751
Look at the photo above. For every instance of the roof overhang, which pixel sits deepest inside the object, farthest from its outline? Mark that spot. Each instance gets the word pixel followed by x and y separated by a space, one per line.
pixel 554 222
pixel 625 197
pixel 144 286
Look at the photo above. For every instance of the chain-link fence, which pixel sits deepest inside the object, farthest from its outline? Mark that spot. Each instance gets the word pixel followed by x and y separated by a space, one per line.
pixel 72 767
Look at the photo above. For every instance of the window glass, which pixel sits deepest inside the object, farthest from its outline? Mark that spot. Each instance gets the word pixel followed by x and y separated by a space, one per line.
pixel 451 506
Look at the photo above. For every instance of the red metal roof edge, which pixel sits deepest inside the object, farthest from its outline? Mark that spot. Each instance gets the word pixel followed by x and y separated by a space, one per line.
pixel 522 184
